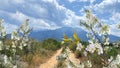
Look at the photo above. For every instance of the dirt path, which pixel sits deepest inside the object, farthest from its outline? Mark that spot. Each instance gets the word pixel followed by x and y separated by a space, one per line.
pixel 73 59
pixel 52 61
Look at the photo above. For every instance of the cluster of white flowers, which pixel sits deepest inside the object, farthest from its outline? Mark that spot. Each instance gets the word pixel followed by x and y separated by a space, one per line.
pixel 61 56
pixel 98 34
pixel 1 45
pixel 116 44
pixel 85 53
pixel 105 29
pixel 82 65
pixel 88 64
pixel 92 47
pixel 79 46
pixel 10 61
pixel 105 40
pixel 15 35
pixel 114 63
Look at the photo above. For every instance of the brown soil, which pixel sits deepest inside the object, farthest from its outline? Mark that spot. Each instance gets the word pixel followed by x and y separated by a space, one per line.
pixel 53 62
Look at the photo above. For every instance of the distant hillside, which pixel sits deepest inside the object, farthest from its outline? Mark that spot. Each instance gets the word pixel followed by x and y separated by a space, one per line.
pixel 58 34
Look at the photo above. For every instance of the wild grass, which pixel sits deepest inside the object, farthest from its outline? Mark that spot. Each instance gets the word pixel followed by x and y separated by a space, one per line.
pixel 38 52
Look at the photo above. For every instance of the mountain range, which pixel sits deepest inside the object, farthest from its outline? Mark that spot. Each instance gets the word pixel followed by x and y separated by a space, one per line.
pixel 58 34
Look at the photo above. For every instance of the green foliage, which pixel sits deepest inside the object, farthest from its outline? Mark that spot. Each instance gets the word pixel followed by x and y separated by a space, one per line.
pixel 72 47
pixel 51 44
pixel 78 54
pixel 84 43
pixel 112 51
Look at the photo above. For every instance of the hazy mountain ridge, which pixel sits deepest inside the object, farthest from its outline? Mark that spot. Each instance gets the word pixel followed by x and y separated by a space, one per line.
pixel 58 34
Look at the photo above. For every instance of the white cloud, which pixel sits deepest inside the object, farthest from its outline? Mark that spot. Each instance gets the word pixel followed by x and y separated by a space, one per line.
pixel 71 19
pixel 18 1
pixel 20 17
pixel 114 30
pixel 115 17
pixel 9 27
pixel 38 9
pixel 48 0
pixel 91 1
pixel 48 14
pixel 37 24
pixel 43 14
pixel 71 1
pixel 107 6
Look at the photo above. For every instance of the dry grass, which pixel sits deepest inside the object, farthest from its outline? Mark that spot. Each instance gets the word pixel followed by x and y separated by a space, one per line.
pixel 34 60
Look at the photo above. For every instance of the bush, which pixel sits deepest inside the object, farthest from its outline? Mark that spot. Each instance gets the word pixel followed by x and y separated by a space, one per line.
pixel 78 54
pixel 72 47
pixel 51 44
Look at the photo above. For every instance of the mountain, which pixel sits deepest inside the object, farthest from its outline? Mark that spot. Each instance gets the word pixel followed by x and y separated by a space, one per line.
pixel 114 38
pixel 58 34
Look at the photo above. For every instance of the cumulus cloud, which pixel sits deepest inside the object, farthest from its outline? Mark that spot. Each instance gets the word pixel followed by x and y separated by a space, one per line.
pixel 43 14
pixel 109 9
pixel 109 12
pixel 49 14
pixel 107 6
pixel 71 1
pixel 35 23
pixel 115 17
pixel 114 30
pixel 91 1
pixel 71 19
pixel 9 27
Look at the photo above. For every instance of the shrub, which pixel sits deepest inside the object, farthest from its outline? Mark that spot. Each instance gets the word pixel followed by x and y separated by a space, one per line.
pixel 51 44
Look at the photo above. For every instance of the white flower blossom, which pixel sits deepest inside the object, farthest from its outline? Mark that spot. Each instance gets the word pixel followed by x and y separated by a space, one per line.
pixel 85 53
pixel 91 48
pixel 21 47
pixel 118 59
pixel 5 59
pixel 24 44
pixel 1 45
pixel 15 66
pixel 111 58
pixel 81 65
pixel 115 63
pixel 15 35
pixel 106 41
pixel 106 48
pixel 79 47
pixel 3 32
pixel 89 64
pixel 68 65
pixel 13 45
pixel 99 47
pixel 14 50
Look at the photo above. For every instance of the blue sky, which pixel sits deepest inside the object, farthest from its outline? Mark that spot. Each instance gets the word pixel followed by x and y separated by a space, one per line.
pixel 54 14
